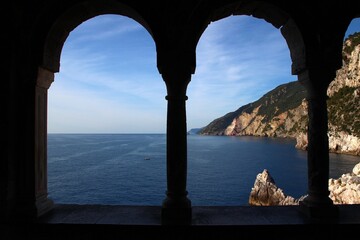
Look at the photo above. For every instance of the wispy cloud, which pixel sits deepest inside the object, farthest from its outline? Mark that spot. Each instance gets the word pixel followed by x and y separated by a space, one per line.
pixel 107 26
pixel 103 85
pixel 91 70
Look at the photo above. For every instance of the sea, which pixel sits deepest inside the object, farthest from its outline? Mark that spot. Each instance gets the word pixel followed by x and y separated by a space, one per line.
pixel 130 169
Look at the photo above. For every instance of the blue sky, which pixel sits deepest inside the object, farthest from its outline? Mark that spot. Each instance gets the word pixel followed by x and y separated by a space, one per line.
pixel 108 80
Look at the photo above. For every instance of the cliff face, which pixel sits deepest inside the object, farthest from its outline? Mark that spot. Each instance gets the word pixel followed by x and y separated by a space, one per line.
pixel 272 118
pixel 343 103
pixel 282 112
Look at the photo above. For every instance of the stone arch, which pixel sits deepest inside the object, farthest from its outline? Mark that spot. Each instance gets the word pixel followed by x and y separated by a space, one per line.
pixel 73 17
pixel 273 15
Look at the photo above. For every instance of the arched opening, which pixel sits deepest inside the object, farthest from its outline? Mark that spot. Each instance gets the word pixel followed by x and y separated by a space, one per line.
pixel 343 112
pixel 240 59
pixel 291 176
pixel 141 69
pixel 107 117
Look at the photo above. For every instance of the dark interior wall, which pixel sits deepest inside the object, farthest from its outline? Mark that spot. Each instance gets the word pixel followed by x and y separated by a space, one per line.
pixel 37 30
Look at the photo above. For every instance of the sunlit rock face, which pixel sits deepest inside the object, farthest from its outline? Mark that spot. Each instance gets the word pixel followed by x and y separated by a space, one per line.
pixel 344 103
pixel 346 189
pixel 343 106
pixel 282 124
pixel 349 74
pixel 266 193
pixel 282 112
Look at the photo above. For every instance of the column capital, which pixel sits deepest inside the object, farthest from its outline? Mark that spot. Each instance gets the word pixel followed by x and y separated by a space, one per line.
pixel 316 81
pixel 176 80
pixel 45 78
pixel 176 58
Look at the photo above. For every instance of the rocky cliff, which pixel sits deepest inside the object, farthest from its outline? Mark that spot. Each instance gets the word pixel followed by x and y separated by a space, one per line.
pixel 344 103
pixel 282 112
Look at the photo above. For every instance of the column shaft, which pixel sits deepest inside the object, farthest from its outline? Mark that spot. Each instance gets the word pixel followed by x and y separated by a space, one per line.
pixel 176 207
pixel 317 203
pixel 176 148
pixel 44 80
pixel 318 151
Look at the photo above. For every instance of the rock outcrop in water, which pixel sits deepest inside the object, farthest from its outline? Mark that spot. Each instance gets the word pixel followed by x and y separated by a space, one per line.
pixel 344 190
pixel 282 112
pixel 266 193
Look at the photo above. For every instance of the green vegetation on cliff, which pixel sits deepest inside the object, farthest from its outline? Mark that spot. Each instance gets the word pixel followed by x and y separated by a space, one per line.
pixel 344 110
pixel 282 98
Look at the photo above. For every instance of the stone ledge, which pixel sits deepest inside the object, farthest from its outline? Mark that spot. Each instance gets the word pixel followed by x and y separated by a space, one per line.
pixel 201 215
pixel 208 222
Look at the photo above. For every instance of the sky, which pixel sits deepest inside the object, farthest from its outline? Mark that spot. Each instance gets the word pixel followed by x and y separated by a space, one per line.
pixel 108 81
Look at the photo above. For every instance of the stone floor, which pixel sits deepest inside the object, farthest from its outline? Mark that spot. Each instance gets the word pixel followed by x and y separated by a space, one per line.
pixel 144 222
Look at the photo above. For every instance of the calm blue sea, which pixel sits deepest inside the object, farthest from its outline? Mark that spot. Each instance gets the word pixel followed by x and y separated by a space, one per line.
pixel 130 169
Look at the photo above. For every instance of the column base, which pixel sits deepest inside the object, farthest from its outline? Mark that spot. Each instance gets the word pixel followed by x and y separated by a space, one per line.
pixel 43 205
pixel 26 209
pixel 176 216
pixel 176 211
pixel 319 209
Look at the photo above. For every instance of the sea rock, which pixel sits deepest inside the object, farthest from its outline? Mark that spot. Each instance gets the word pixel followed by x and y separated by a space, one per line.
pixel 266 193
pixel 344 190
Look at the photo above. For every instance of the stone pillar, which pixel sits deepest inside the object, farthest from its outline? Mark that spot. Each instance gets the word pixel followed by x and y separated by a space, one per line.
pixel 317 203
pixel 176 208
pixel 43 82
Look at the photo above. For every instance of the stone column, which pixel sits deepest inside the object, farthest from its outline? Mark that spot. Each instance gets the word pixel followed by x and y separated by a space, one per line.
pixel 44 80
pixel 317 203
pixel 176 208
